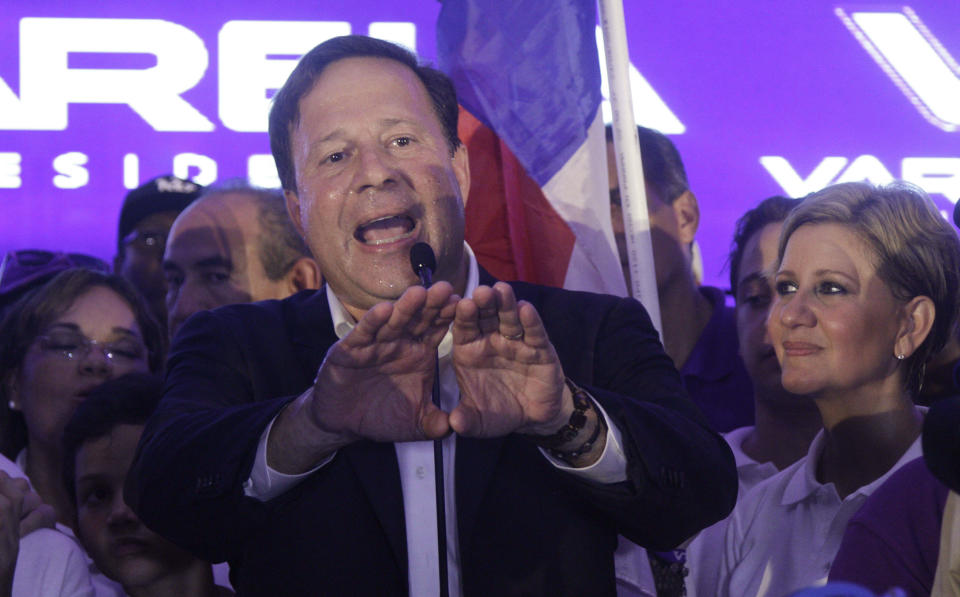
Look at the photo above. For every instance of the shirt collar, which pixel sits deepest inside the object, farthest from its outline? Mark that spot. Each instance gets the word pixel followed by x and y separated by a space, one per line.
pixel 343 322
pixel 735 440
pixel 803 473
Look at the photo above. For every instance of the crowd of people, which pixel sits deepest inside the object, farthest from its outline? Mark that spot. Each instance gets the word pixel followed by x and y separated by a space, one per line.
pixel 261 395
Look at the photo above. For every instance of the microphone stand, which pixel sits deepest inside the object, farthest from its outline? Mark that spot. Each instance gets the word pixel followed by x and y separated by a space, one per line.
pixel 424 271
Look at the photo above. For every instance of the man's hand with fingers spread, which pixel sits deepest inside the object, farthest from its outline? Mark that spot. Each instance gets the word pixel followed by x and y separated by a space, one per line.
pixel 509 375
pixel 373 384
pixel 376 382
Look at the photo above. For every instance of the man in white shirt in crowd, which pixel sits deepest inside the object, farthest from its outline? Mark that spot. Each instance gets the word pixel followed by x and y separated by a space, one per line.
pixel 786 423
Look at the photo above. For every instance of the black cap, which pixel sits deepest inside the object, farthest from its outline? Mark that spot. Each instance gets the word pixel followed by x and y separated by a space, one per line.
pixel 163 193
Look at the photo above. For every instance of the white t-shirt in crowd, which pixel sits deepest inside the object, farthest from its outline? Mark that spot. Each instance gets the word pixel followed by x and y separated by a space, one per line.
pixel 704 552
pixel 49 563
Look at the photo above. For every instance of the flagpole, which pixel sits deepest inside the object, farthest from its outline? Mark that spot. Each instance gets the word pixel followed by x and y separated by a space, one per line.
pixel 633 195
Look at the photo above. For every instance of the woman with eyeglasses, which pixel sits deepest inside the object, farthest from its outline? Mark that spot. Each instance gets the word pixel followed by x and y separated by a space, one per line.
pixel 57 344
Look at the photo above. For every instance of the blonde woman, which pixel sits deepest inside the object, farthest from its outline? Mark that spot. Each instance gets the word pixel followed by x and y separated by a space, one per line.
pixel 866 290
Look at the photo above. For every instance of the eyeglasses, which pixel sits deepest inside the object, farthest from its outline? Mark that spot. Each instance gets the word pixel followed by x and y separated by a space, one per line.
pixel 73 346
pixel 22 267
pixel 150 242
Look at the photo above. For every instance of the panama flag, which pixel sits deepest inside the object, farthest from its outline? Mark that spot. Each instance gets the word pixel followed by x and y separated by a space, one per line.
pixel 528 79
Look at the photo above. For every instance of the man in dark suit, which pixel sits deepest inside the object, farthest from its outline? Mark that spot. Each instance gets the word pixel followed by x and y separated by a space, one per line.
pixel 291 438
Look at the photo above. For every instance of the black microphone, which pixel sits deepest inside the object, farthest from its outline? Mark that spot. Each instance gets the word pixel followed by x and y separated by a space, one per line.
pixel 424 262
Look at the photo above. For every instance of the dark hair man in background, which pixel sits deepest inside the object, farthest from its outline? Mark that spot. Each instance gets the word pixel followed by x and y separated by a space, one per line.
pixel 291 436
pixel 236 244
pixel 699 330
pixel 146 216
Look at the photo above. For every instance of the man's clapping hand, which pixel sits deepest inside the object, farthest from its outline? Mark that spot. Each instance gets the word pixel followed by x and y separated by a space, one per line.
pixel 376 382
pixel 509 375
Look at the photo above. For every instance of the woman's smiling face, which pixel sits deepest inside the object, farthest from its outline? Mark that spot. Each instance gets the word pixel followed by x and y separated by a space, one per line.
pixel 834 322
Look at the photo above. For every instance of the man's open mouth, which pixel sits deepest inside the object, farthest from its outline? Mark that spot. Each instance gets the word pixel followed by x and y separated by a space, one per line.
pixel 384 230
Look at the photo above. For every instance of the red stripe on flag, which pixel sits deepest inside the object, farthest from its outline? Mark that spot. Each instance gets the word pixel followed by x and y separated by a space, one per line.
pixel 510 225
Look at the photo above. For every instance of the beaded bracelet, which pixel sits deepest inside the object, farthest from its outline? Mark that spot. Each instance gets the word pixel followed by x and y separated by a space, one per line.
pixel 578 418
pixel 582 449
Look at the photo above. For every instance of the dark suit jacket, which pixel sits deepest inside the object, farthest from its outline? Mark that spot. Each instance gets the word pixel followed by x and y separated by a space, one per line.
pixel 941 441
pixel 525 528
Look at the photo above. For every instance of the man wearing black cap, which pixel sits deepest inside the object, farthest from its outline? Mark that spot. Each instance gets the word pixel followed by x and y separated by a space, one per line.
pixel 146 216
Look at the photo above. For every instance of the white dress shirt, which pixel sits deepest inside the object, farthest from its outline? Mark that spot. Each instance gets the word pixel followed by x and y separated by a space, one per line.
pixel 704 551
pixel 416 464
pixel 784 534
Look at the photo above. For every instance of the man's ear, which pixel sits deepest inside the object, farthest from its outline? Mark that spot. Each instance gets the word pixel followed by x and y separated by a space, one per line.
pixel 687 212
pixel 917 321
pixel 461 169
pixel 304 275
pixel 293 210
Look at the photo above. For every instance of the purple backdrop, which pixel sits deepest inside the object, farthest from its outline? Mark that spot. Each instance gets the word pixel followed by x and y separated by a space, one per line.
pixel 772 98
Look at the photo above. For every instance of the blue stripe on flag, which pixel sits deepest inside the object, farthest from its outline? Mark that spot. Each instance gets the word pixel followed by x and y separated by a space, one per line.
pixel 528 70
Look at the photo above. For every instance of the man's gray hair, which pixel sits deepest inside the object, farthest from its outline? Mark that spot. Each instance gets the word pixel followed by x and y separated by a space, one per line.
pixel 280 243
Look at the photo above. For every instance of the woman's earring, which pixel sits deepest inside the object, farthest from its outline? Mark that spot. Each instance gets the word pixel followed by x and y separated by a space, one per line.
pixel 901 356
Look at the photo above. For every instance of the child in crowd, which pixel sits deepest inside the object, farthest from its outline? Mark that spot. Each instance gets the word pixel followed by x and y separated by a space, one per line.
pixel 99 443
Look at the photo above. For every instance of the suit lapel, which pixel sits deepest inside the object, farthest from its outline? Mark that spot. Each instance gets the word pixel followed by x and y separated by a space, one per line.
pixel 375 464
pixel 476 461
pixel 308 319
pixel 310 328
